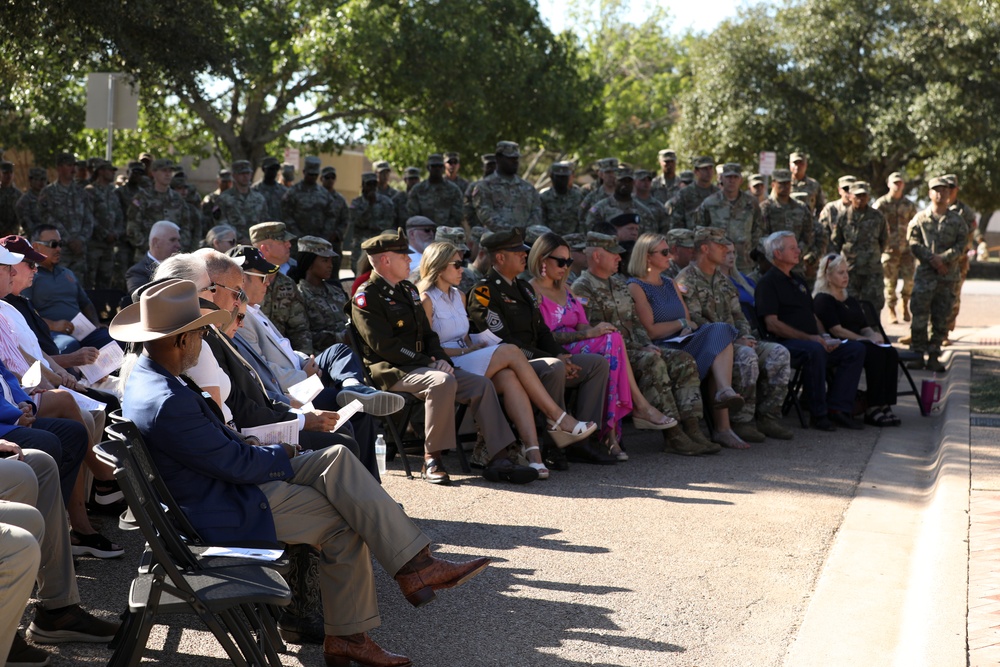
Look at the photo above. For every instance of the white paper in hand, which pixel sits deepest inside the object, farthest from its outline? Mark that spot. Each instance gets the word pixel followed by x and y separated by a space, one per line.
pixel 346 412
pixel 305 391
pixel 82 327
pixel 32 377
pixel 486 338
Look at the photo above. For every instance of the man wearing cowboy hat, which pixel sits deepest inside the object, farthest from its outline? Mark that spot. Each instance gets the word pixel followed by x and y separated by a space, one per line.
pixel 234 491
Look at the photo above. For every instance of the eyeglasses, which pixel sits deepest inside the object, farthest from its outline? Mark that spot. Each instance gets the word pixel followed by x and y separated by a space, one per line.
pixel 49 244
pixel 238 292
pixel 240 317
pixel 257 275
pixel 561 262
pixel 665 252
pixel 458 264
pixel 31 266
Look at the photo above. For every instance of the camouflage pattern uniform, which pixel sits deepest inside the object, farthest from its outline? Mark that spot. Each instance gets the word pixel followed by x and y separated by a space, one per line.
pixel 610 207
pixel 897 262
pixel 560 213
pixel 663 191
pixel 241 211
pixel 27 211
pixel 934 294
pixel 460 183
pixel 737 218
pixel 106 261
pixel 9 196
pixel 342 225
pixel 810 186
pixel 283 305
pixel 309 210
pixel 441 202
pixel 368 220
pixel 504 202
pixel 65 207
pixel 589 200
pixel 126 193
pixel 764 368
pixel 862 237
pixel 967 214
pixel 661 221
pixel 324 306
pixel 829 217
pixel 149 207
pixel 683 208
pixel 272 193
pixel 400 201
pixel 792 217
pixel 668 378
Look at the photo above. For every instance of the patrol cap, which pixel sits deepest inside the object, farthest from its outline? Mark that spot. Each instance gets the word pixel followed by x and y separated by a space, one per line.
pixel 317 246
pixel 507 239
pixel 488 158
pixel 435 159
pixel 604 241
pixel 448 157
pixel 756 179
pixel 561 168
pixel 623 172
pixel 896 177
pixel 860 188
pixel 133 166
pixel 288 169
pixel 419 222
pixel 225 175
pixel 91 162
pixel 369 176
pixel 65 158
pixel 253 261
pixel 387 241
pixel 687 177
pixel 845 181
pixel 625 219
pixel 411 172
pixel 703 161
pixel 145 156
pixel 161 163
pixel 532 233
pixel 683 238
pixel 104 164
pixel 667 154
pixel 575 241
pixel 732 169
pixel 508 149
pixel 714 234
pixel 242 167
pixel 312 165
pixel 328 171
pixel 951 180
pixel 643 174
pixel 781 176
pixel 477 233
pixel 37 172
pixel 452 235
pixel 269 162
pixel 798 156
pixel 178 181
pixel 382 165
pixel 270 230
pixel 6 166
pixel 607 164
pixel 937 182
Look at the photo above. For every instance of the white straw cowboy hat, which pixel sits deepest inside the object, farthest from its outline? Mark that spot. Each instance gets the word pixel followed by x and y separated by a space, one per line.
pixel 166 309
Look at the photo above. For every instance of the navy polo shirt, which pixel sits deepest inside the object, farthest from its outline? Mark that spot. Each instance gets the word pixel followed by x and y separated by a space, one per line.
pixel 786 296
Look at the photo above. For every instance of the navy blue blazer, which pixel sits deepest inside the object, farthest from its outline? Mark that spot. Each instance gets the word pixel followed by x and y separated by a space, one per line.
pixel 211 472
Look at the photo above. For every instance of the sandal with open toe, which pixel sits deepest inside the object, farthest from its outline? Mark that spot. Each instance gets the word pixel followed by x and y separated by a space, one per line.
pixel 895 421
pixel 646 425
pixel 614 448
pixel 729 440
pixel 543 472
pixel 728 399
pixel 878 419
pixel 95 545
pixel 564 439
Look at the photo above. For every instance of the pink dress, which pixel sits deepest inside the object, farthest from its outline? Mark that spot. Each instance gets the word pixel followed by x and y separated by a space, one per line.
pixel 610 346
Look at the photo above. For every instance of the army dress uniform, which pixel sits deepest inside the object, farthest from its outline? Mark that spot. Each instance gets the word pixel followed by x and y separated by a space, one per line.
pixel 441 202
pixel 897 262
pixel 862 237
pixel 65 207
pixel 9 196
pixel 510 310
pixel 503 202
pixel 560 212
pixel 398 346
pixel 736 219
pixel 241 211
pixel 149 207
pixel 761 373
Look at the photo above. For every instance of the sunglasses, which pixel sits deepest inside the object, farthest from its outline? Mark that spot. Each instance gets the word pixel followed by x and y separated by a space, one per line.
pixel 237 291
pixel 31 266
pixel 458 264
pixel 665 252
pixel 329 177
pixel 49 244
pixel 240 317
pixel 561 262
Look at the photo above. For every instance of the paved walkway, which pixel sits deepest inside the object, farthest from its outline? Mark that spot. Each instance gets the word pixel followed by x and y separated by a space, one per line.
pixel 984 542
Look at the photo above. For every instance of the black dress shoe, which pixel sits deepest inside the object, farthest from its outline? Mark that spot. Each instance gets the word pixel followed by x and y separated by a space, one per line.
pixel 821 423
pixel 841 419
pixel 587 452
pixel 504 470
pixel 555 458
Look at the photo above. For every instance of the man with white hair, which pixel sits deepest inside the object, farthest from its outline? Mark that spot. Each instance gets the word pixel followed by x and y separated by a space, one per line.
pixel 164 241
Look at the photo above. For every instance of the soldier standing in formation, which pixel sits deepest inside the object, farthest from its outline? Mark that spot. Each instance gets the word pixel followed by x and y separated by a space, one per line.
pixel 835 210
pixel 561 201
pixel 469 217
pixel 328 178
pixel 371 214
pixel 897 262
pixel 383 170
pixel 288 175
pixel 781 213
pixel 307 208
pixel 9 196
pixel 158 203
pixel 270 189
pixel 684 206
pixel 862 237
pixel 734 211
pixel 797 164
pixel 969 216
pixel 609 208
pixel 452 165
pixel 210 213
pixel 108 252
pixel 240 207
pixel 642 192
pixel 666 185
pixel 61 204
pixel 607 168
pixel 400 201
pixel 756 187
pixel 436 198
pixel 503 199
pixel 27 205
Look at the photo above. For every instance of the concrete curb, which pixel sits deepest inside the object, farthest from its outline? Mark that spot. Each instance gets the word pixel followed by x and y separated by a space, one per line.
pixel 893 590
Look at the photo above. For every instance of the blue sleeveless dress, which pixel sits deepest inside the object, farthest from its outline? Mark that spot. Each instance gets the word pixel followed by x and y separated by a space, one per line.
pixel 708 339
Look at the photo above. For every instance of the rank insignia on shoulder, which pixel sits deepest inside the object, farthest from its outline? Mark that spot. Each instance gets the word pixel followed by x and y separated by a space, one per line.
pixel 360 301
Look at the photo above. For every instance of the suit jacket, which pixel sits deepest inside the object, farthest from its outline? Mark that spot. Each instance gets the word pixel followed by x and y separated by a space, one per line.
pixel 11 394
pixel 139 274
pixel 264 340
pixel 208 468
pixel 249 354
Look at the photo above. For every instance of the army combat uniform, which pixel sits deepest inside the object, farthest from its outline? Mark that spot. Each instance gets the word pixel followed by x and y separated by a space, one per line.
pixel 503 202
pixel 862 237
pixel 283 305
pixel 897 262
pixel 309 210
pixel 665 189
pixel 611 207
pixel 814 193
pixel 368 220
pixel 65 208
pixel 683 208
pixel 272 193
pixel 9 196
pixel 108 253
pixel 441 202
pixel 149 207
pixel 560 213
pixel 736 218
pixel 934 294
pixel 969 216
pixel 791 217
pixel 324 306
pixel 241 211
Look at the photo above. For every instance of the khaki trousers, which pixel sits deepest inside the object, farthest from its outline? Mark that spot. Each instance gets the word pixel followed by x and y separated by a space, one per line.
pixel 591 383
pixel 332 501
pixel 440 391
pixel 20 527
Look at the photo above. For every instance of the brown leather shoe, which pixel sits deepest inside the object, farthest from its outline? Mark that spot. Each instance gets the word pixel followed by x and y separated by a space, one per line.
pixel 425 574
pixel 340 651
pixel 434 472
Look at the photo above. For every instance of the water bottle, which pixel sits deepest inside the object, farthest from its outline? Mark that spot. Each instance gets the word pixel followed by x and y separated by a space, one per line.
pixel 380 453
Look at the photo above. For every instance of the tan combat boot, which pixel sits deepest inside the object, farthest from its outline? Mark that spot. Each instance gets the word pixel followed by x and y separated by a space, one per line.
pixel 906 310
pixel 691 429
pixel 892 315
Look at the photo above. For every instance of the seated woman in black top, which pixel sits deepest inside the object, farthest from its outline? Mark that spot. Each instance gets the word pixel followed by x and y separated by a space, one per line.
pixel 843 317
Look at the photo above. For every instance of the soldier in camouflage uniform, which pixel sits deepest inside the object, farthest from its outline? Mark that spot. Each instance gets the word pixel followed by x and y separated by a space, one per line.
pixel 734 211
pixel 456 237
pixel 270 189
pixel 287 175
pixel 324 300
pixel 27 206
pixel 561 202
pixel 282 303
pixel 371 214
pixel 642 192
pixel 9 196
pixel 108 253
pixel 937 237
pixel 666 185
pixel 62 204
pixel 180 185
pixel 835 210
pixel 897 262
pixel 683 207
pixel 680 243
pixel 969 216
pixel 863 236
pixel 452 165
pixel 782 213
pixel 797 164
pixel 400 201
pixel 158 203
pixel 607 168
pixel 384 171
pixel 328 178
pixel 436 198
pixel 503 199
pixel 469 217
pixel 761 369
pixel 819 243
pixel 668 378
pixel 211 214
pixel 308 209
pixel 240 207
pixel 608 208
pixel 755 188
pixel 134 183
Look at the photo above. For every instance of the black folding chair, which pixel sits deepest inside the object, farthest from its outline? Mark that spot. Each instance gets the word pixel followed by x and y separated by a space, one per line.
pixel 875 322
pixel 792 398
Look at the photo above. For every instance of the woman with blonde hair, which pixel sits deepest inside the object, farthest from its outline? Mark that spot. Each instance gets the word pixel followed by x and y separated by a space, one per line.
pixel 843 317
pixel 515 380
pixel 549 262
pixel 663 313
